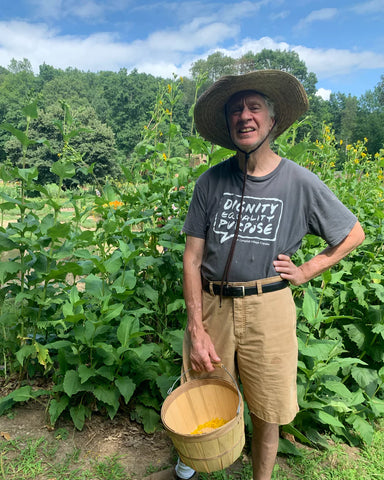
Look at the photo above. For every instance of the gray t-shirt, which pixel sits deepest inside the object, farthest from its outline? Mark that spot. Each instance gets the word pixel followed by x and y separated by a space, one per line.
pixel 278 210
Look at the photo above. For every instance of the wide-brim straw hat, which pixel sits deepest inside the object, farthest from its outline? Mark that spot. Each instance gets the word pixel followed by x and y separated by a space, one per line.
pixel 286 92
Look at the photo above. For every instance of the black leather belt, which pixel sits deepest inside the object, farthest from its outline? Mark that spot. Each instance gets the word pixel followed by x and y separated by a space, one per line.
pixel 241 290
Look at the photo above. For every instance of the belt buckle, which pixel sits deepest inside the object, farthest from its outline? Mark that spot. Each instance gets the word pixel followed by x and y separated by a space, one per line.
pixel 242 290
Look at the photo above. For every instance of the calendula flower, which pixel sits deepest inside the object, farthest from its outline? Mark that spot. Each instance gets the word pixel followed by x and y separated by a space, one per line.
pixel 356 161
pixel 115 204
pixel 332 164
pixel 169 88
pixel 164 156
pixel 341 142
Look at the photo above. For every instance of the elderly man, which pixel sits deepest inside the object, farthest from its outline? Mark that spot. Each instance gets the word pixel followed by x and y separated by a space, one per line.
pixel 247 218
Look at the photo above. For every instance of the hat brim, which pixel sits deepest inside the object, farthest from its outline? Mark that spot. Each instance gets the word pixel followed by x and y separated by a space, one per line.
pixel 286 92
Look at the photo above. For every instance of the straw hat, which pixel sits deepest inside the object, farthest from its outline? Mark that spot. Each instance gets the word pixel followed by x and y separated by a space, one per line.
pixel 285 91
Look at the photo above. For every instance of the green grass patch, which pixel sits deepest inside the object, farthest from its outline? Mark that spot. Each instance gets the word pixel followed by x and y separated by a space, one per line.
pixel 38 460
pixel 338 462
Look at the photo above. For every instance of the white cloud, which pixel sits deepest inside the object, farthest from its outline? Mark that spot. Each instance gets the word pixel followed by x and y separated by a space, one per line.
pixel 103 51
pixel 323 14
pixel 332 62
pixel 324 93
pixel 280 15
pixel 372 6
pixel 189 37
pixel 162 52
pixel 83 9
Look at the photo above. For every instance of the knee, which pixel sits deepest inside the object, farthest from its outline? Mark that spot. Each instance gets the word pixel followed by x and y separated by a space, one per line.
pixel 262 426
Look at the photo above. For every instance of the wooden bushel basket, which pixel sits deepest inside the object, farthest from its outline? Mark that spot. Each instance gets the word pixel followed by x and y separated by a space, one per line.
pixel 196 402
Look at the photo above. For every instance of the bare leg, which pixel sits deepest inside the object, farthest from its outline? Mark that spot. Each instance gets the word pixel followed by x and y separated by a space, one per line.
pixel 265 442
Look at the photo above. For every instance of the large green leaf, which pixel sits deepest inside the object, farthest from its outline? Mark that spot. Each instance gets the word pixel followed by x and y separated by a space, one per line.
pixel 71 383
pixel 6 243
pixel 85 373
pixel 317 349
pixel 114 262
pixel 7 269
pixel 108 395
pixel 56 408
pixel 63 169
pixel 311 309
pixel 328 419
pixel 362 428
pixel 19 134
pixel 149 417
pixel 365 376
pixel 30 110
pixel 25 351
pixel 22 394
pixel 129 325
pixel 126 387
pixel 78 414
pixel 111 312
pixel 356 333
pixel 95 286
pixel 288 448
pixel 125 281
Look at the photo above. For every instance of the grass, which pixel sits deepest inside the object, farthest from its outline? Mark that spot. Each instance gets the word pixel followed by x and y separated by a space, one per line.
pixel 38 459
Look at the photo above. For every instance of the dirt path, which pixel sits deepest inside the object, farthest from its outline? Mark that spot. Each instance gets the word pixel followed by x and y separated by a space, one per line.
pixel 101 437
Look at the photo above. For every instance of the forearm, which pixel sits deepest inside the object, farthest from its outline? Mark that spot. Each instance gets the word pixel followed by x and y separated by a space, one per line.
pixel 322 262
pixel 192 297
pixel 332 255
pixel 298 275
pixel 192 282
pixel 202 354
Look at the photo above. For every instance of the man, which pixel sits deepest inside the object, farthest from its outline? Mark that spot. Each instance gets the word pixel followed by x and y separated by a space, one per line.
pixel 247 218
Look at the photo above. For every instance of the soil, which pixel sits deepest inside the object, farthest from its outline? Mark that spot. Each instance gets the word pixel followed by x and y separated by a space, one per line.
pixel 138 452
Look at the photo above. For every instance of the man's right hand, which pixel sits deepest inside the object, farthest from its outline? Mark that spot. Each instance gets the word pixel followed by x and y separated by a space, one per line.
pixel 203 354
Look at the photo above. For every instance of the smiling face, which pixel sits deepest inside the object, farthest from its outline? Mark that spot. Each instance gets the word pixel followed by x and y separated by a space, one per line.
pixel 250 119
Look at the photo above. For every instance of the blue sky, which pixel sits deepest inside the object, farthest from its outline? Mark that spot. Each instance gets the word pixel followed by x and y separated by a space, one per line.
pixel 342 42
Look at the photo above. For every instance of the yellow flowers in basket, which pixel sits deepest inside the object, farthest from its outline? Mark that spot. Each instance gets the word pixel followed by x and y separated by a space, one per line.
pixel 209 426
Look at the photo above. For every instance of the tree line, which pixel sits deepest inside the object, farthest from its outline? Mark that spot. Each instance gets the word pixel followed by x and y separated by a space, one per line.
pixel 110 109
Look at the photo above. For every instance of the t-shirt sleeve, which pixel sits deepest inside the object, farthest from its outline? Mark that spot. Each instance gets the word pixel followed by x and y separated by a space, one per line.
pixel 196 220
pixel 330 219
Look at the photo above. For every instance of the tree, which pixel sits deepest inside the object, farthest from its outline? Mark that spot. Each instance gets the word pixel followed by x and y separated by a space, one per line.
pixel 216 66
pixel 17 66
pixel 95 143
pixel 349 119
pixel 125 102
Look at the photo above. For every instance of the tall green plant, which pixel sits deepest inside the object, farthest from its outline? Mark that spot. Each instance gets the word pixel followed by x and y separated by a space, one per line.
pixel 99 307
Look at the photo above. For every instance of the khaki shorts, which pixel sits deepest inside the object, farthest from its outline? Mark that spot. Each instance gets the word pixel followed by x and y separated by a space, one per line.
pixel 255 337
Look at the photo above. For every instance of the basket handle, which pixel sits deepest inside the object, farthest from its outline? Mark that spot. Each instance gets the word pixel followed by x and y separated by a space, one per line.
pixel 216 365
